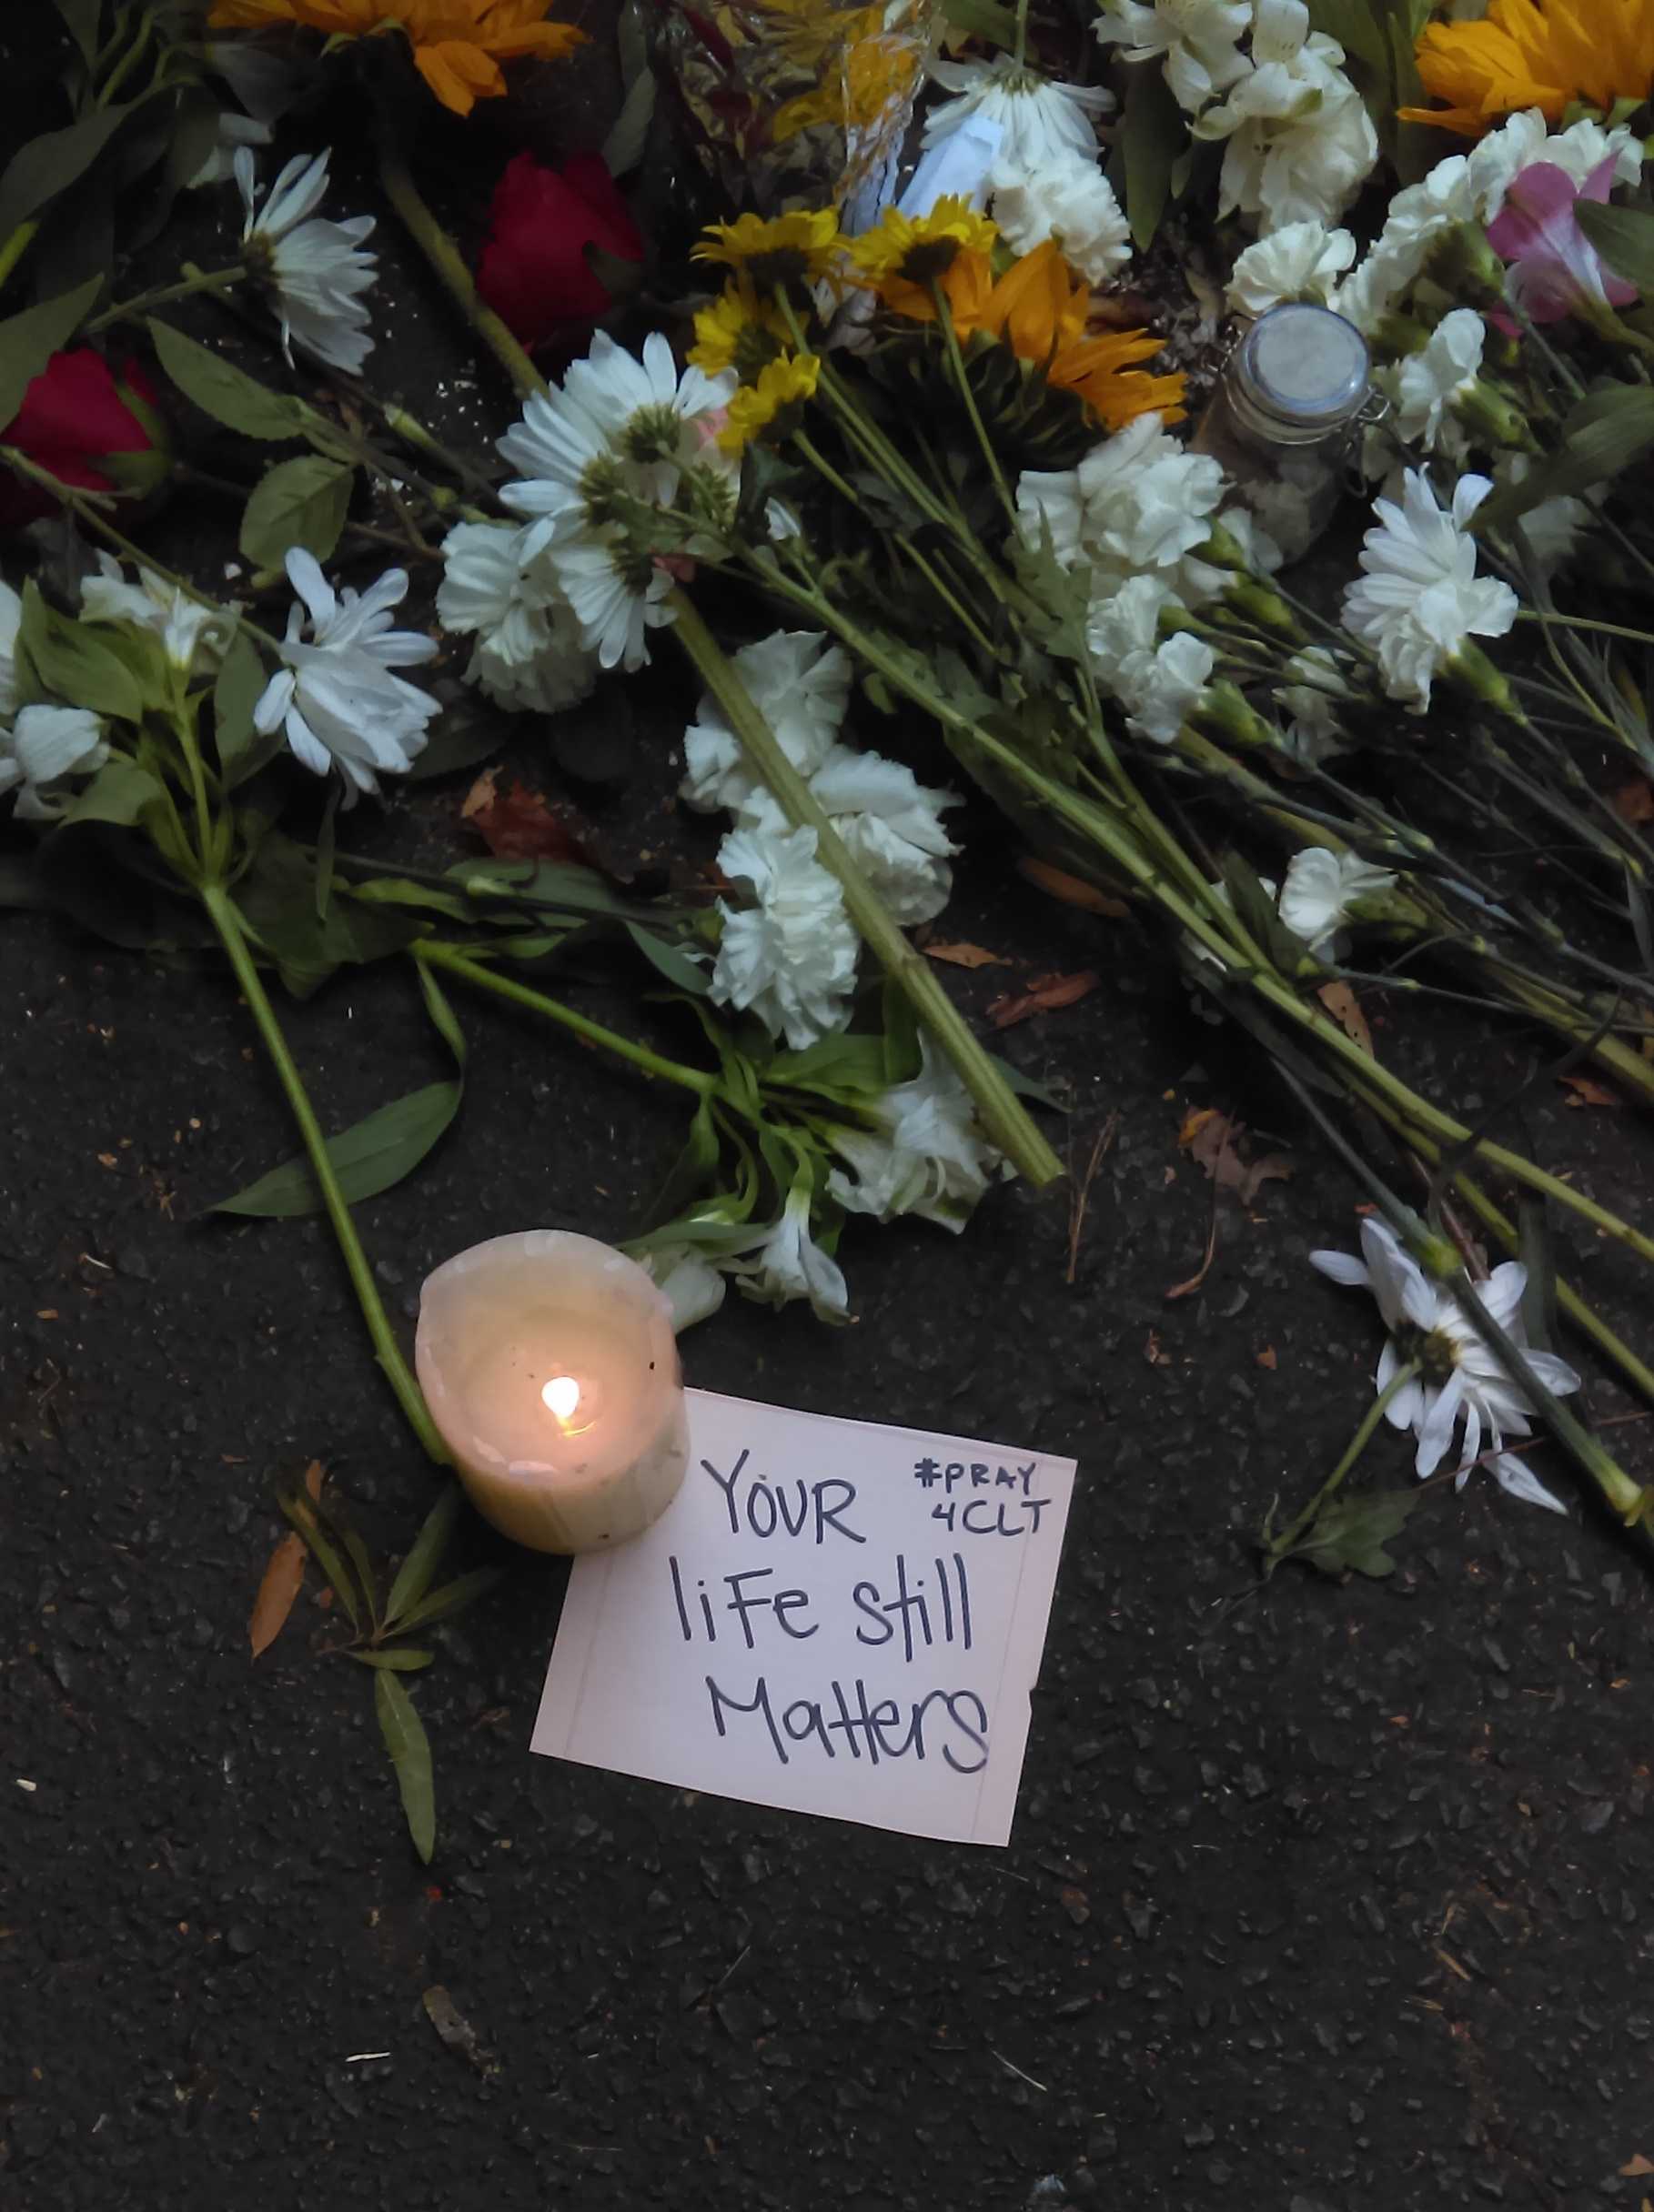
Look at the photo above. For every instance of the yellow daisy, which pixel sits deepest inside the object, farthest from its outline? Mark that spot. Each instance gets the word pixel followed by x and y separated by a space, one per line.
pixel 784 382
pixel 457 45
pixel 904 255
pixel 1544 53
pixel 786 250
pixel 738 331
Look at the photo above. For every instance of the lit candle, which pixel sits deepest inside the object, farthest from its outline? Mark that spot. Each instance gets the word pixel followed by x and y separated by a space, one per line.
pixel 549 1365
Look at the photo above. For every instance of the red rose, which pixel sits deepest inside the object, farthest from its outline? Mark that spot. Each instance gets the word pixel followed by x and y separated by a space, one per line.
pixel 533 272
pixel 93 432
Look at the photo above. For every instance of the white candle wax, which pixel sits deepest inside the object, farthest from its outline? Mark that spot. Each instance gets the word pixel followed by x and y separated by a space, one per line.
pixel 549 1365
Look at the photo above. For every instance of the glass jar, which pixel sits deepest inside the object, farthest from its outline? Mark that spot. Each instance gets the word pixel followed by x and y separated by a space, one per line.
pixel 1295 393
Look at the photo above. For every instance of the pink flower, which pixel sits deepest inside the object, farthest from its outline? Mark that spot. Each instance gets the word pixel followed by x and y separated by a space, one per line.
pixel 1554 267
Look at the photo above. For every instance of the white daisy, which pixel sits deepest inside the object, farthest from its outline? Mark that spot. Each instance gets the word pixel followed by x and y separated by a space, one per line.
pixel 1461 1378
pixel 1039 119
pixel 784 1262
pixel 1067 199
pixel 337 699
pixel 1197 42
pixel 11 618
pixel 181 623
pixel 44 746
pixel 1420 600
pixel 1298 261
pixel 529 656
pixel 790 958
pixel 1320 889
pixel 315 271
pixel 924 1156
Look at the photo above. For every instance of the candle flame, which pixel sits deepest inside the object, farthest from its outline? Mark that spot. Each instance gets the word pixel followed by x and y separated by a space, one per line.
pixel 561 1395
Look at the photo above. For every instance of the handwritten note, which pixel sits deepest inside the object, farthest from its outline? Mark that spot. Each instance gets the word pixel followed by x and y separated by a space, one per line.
pixel 831 1616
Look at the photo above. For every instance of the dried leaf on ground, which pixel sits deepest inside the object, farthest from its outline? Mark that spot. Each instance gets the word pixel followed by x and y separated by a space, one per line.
pixel 965 956
pixel 1267 1358
pixel 1045 994
pixel 1217 1143
pixel 1057 884
pixel 455 2029
pixel 1156 1352
pixel 1636 2165
pixel 518 823
pixel 1345 1008
pixel 1584 1090
pixel 1634 802
pixel 282 1580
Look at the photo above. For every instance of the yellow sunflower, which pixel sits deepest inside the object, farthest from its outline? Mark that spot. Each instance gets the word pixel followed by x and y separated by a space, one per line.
pixel 1544 53
pixel 786 250
pixel 738 331
pixel 903 254
pixel 457 45
pixel 1040 308
pixel 786 382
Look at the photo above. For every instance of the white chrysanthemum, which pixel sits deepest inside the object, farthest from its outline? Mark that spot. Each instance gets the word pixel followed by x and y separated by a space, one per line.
pixel 181 623
pixel 790 958
pixel 1320 889
pixel 1463 1378
pixel 1157 679
pixel 11 618
pixel 1197 42
pixel 337 699
pixel 315 270
pixel 1300 140
pixel 1067 199
pixel 1427 385
pixel 528 657
pixel 1420 599
pixel 619 429
pixel 1298 261
pixel 784 1262
pixel 925 1157
pixel 800 685
pixel 1039 120
pixel 1138 503
pixel 44 748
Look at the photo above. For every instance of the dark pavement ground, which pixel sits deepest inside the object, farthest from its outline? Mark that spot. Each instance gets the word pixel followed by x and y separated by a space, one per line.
pixel 1340 1900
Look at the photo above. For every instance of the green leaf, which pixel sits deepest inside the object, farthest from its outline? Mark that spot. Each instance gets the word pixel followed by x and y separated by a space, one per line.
pixel 224 391
pixel 670 960
pixel 301 502
pixel 1152 135
pixel 410 1750
pixel 50 164
pixel 452 1598
pixel 1624 236
pixel 278 901
pixel 983 19
pixel 302 1513
pixel 404 1662
pixel 81 20
pixel 71 662
pixel 1602 436
pixel 241 679
pixel 694 1168
pixel 1536 1248
pixel 28 341
pixel 1351 1533
pixel 623 148
pixel 441 1013
pixel 367 1158
pixel 402 890
pixel 121 793
pixel 414 1575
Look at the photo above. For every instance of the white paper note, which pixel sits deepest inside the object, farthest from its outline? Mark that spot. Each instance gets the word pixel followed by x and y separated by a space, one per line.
pixel 831 1616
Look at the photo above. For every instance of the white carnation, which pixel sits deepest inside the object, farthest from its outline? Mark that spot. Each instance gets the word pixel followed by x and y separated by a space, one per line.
pixel 1300 261
pixel 1420 599
pixel 790 958
pixel 925 1155
pixel 529 656
pixel 1067 199
pixel 1427 385
pixel 1320 889
pixel 800 685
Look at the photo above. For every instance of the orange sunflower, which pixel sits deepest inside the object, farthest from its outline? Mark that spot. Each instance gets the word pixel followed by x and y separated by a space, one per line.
pixel 457 45
pixel 1544 53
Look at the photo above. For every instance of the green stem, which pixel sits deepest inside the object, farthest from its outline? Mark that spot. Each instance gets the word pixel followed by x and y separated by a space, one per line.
pixel 1003 1117
pixel 950 340
pixel 15 246
pixel 232 936
pixel 202 280
pixel 449 263
pixel 1020 51
pixel 1279 1546
pixel 1607 630
pixel 481 977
